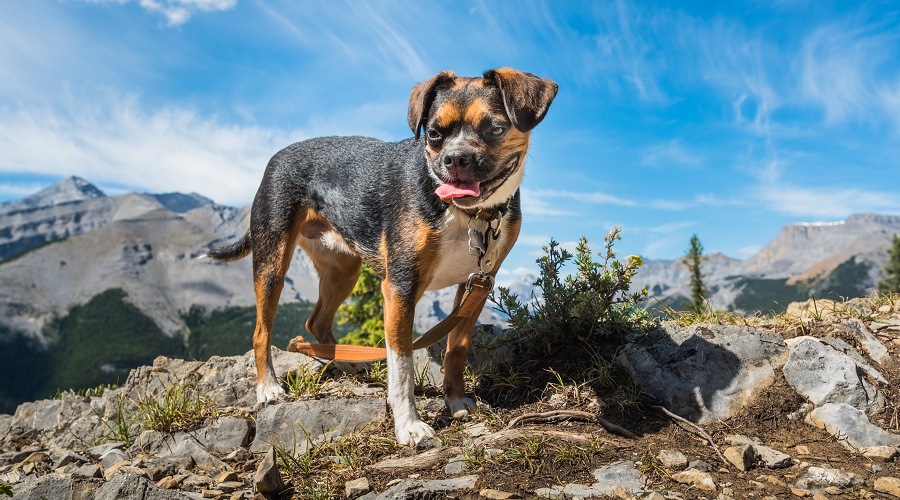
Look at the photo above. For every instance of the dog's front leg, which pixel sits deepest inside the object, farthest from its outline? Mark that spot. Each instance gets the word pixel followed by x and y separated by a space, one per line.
pixel 455 362
pixel 399 307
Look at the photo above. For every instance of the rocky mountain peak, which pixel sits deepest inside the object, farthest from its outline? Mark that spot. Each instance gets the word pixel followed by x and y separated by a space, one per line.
pixel 67 190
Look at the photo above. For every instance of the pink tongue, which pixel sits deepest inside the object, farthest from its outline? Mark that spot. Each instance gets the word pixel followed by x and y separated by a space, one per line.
pixel 457 189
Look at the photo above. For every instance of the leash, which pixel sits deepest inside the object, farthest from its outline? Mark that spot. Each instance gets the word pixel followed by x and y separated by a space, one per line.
pixel 478 287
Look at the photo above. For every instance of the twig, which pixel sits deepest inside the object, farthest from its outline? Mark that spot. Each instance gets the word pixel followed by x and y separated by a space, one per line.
pixel 699 429
pixel 562 415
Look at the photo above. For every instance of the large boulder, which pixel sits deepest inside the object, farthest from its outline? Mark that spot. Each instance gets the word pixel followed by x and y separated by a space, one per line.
pixel 703 372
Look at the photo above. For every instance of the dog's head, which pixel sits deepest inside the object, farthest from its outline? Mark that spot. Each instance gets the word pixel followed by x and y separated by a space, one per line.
pixel 477 130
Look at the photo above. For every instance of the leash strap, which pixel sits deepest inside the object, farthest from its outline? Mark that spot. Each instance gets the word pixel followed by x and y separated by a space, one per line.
pixel 478 287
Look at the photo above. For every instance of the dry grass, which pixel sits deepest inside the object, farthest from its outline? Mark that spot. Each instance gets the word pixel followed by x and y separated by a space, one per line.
pixel 181 407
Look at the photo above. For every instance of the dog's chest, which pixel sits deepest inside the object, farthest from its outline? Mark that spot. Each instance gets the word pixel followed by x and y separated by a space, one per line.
pixel 456 263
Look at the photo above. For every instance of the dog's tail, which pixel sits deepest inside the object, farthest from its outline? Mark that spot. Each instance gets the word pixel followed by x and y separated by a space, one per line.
pixel 237 250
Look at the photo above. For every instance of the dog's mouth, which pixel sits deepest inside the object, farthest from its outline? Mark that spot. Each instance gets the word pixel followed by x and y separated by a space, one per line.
pixel 468 193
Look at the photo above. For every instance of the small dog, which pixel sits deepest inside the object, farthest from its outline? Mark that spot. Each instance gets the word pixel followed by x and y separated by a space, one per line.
pixel 405 209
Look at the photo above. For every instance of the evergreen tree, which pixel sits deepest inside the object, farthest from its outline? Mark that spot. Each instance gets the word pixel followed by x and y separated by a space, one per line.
pixel 364 310
pixel 694 259
pixel 891 281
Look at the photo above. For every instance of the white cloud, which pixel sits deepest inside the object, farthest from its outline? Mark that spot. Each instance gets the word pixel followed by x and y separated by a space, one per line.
pixel 671 153
pixel 177 12
pixel 114 140
pixel 827 202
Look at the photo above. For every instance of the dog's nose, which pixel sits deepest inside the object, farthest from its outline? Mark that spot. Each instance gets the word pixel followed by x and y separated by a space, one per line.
pixel 458 159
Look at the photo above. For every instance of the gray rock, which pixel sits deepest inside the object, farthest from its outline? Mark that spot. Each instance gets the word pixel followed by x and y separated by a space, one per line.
pixel 356 487
pixel 427 489
pixel 704 372
pixel 742 456
pixel 112 457
pixel 699 465
pixel 825 375
pixel 225 434
pixel 267 478
pixel 52 486
pixel 69 457
pixel 672 459
pixel 293 422
pixel 845 348
pixel 456 465
pixel 869 342
pixel 98 451
pixel 88 470
pixel 816 478
pixel 851 426
pixel 697 478
pixel 619 475
pixel 773 458
pixel 134 487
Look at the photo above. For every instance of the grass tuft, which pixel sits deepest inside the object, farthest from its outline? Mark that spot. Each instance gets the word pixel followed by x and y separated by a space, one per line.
pixel 180 408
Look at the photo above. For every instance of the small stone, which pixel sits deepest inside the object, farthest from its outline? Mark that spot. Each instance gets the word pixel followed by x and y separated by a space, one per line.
pixel 197 481
pixel 456 465
pixel 492 452
pixel 357 487
pixel 225 476
pixel 112 457
pixel 497 494
pixel 672 459
pixel 475 429
pixel 823 477
pixel 889 485
pixel 113 469
pixel 885 308
pixel 267 478
pixel 741 456
pixel 819 496
pixel 171 482
pixel 238 455
pixel 229 486
pixel 28 468
pixel 773 458
pixel 88 470
pixel 69 458
pixel 697 478
pixel 212 493
pixel 879 453
pixel 802 449
pixel 36 458
pixel 833 490
pixel 799 492
pixel 699 465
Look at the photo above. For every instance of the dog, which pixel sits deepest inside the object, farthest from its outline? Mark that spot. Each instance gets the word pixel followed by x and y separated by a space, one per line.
pixel 405 209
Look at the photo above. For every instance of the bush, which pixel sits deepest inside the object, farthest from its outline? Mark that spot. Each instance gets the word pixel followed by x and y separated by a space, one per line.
pixel 593 301
pixel 364 311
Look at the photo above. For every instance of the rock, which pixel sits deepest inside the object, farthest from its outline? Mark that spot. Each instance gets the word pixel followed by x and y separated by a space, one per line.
pixel 704 372
pixel 159 468
pixel 112 470
pixel 132 487
pixel 822 477
pixel 212 493
pixel 226 476
pixel 743 457
pixel 618 475
pixel 817 309
pixel 879 453
pixel 825 375
pixel 229 486
pixel 88 470
pixel 672 459
pixel 36 458
pixel 172 482
pixel 356 487
pixel 699 465
pixel 851 426
pixel 297 421
pixel 225 434
pixel 497 494
pixel 698 479
pixel 419 488
pixel 889 485
pixel 97 452
pixel 52 486
pixel 869 342
pixel 874 375
pixel 267 478
pixel 456 465
pixel 112 457
pixel 773 458
pixel 69 458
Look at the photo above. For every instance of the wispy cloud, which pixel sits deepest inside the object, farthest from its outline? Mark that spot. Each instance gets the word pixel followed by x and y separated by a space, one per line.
pixel 114 139
pixel 671 153
pixel 176 12
pixel 826 201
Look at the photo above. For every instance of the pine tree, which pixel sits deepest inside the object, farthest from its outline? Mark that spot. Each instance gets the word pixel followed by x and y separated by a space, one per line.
pixel 694 259
pixel 891 281
pixel 364 310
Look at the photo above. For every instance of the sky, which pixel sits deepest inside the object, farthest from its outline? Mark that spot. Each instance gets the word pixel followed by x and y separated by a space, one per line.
pixel 723 119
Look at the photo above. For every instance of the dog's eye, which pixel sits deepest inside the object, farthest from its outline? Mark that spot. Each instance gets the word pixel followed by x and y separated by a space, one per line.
pixel 433 134
pixel 496 131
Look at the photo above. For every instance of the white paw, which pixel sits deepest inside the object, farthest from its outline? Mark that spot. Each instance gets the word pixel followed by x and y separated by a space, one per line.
pixel 268 391
pixel 461 407
pixel 413 431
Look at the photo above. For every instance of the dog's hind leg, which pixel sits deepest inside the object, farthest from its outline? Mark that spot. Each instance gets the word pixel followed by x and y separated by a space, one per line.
pixel 272 253
pixel 338 272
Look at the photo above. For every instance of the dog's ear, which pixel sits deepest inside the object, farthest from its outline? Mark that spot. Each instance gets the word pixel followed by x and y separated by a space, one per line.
pixel 422 97
pixel 525 96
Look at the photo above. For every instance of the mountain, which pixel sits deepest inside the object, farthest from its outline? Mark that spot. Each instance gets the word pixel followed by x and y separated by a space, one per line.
pixel 82 274
pixel 835 259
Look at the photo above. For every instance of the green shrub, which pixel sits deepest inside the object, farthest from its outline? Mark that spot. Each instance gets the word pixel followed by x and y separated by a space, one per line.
pixel 364 311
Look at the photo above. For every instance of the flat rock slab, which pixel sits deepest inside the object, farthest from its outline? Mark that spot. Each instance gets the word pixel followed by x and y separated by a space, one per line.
pixel 292 423
pixel 851 426
pixel 825 375
pixel 617 478
pixel 420 489
pixel 704 372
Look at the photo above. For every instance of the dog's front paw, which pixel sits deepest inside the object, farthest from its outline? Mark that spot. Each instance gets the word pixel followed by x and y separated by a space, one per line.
pixel 268 391
pixel 461 407
pixel 413 431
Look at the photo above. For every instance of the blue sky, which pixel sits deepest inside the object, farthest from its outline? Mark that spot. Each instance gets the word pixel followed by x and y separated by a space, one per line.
pixel 724 119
